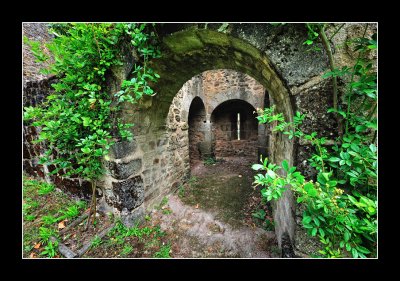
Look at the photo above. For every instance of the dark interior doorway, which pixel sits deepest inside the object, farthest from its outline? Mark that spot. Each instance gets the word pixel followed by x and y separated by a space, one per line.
pixel 235 129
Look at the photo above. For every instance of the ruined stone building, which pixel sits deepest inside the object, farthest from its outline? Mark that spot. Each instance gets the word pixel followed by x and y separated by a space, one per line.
pixel 211 84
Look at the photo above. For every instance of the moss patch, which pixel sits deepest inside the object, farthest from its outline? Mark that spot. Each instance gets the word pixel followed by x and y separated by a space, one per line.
pixel 184 41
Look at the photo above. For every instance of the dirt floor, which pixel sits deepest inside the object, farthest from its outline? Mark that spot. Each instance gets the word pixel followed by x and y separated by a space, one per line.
pixel 211 216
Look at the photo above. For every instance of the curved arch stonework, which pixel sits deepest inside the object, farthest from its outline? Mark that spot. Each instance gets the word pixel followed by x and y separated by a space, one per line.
pixel 187 54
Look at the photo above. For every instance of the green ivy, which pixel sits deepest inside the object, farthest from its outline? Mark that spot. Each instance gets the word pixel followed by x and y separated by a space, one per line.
pixel 341 206
pixel 78 120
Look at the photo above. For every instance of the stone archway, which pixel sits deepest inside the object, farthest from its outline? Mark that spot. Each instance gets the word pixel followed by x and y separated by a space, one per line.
pixel 197 130
pixel 185 55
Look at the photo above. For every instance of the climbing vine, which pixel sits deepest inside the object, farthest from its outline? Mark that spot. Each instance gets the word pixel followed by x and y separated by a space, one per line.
pixel 79 121
pixel 341 206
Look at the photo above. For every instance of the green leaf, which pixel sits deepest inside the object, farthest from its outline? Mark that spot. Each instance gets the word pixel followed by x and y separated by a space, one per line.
pixel 85 150
pixel 285 165
pixel 346 235
pixel 322 232
pixel 363 250
pixel 306 219
pixel 314 231
pixel 309 188
pixel 271 174
pixel 86 121
pixel 334 159
pixel 321 179
pixel 354 253
pixel 257 167
pixel 317 223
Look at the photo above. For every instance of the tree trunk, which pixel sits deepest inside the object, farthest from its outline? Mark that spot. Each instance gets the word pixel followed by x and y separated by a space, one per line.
pixel 328 49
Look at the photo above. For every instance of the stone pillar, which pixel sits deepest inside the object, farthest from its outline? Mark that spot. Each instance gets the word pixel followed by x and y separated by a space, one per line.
pixel 205 146
pixel 262 141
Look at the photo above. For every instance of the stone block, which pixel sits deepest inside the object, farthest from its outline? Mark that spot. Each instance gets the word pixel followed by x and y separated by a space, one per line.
pixel 122 171
pixel 131 218
pixel 123 149
pixel 129 193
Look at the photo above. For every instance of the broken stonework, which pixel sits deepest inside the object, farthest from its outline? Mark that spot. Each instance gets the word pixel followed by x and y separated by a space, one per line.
pixel 122 171
pixel 129 193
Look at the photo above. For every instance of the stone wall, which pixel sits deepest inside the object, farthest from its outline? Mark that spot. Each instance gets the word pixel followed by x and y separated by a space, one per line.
pixel 31 68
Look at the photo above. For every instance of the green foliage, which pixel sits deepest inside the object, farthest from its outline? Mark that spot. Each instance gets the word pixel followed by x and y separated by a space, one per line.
pixel 45 234
pixel 181 191
pixel 341 206
pixel 167 211
pixel 36 49
pixel 210 161
pixel 126 250
pixel 30 217
pixel 119 232
pixel 50 250
pixel 163 252
pixel 70 213
pixel 43 208
pixel 45 188
pixel 95 242
pixel 313 35
pixel 79 119
pixel 260 214
pixel 192 179
pixel 48 220
pixel 163 202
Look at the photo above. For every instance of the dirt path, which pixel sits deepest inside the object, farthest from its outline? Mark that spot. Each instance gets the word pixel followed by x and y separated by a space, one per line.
pixel 210 217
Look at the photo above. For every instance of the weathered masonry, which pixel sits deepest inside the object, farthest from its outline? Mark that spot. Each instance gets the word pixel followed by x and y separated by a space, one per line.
pixel 211 82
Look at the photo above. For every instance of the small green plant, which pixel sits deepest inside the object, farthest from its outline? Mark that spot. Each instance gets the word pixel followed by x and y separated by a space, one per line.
pixel 81 204
pixel 147 217
pixel 210 161
pixel 45 188
pixel 269 225
pixel 50 250
pixel 110 216
pixel 164 252
pixel 192 180
pixel 181 191
pixel 70 213
pixel 45 234
pixel 36 49
pixel 30 217
pixel 95 242
pixel 126 250
pixel 260 214
pixel 167 211
pixel 163 202
pixel 48 220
